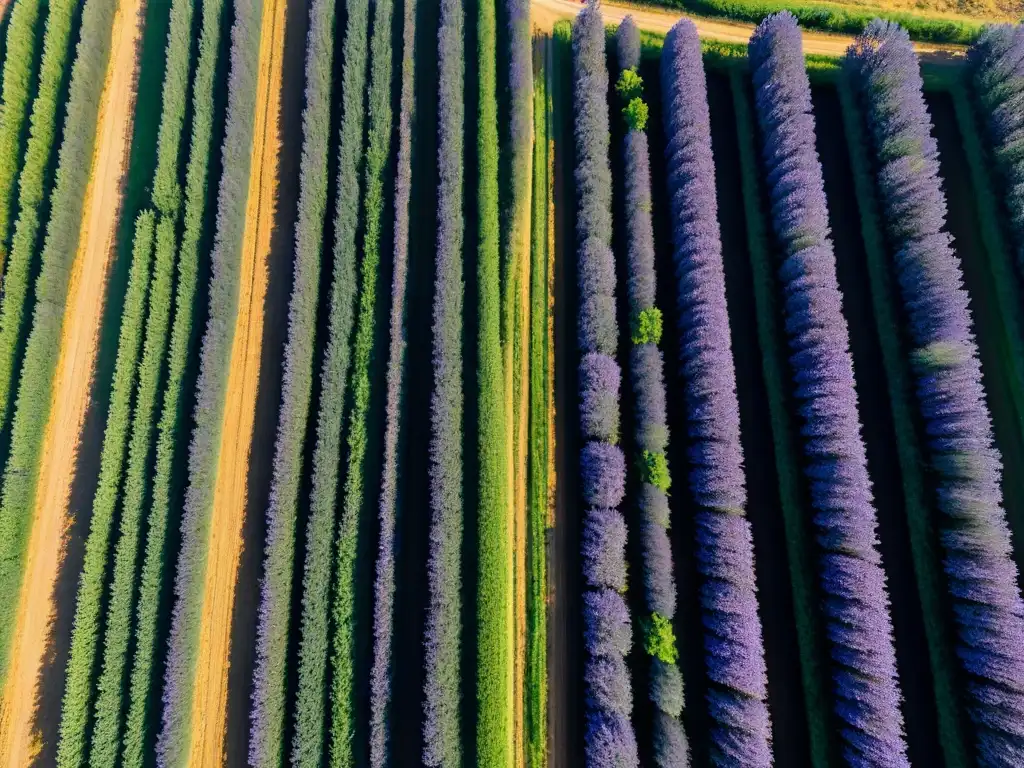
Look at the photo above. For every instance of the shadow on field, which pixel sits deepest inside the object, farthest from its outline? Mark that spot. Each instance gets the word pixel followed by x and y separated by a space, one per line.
pixel 244 616
pixel 135 197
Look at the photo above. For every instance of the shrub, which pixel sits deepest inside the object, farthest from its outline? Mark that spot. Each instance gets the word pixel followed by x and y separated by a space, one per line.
pixel 608 687
pixel 998 65
pixel 606 620
pixel 630 85
pixel 654 470
pixel 635 113
pixel 599 396
pixel 384 583
pixel 972 528
pixel 137 739
pixel 110 687
pixel 650 427
pixel 315 641
pixel 269 705
pixel 659 582
pixel 647 326
pixel 60 246
pixel 610 740
pixel 443 675
pixel 85 635
pixel 604 474
pixel 652 504
pixel 733 650
pixel 666 687
pixel 671 748
pixel 659 639
pixel 627 52
pixel 172 744
pixel 604 549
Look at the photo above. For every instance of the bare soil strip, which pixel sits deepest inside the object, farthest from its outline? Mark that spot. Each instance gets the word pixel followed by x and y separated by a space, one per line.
pixel 19 738
pixel 546 12
pixel 210 702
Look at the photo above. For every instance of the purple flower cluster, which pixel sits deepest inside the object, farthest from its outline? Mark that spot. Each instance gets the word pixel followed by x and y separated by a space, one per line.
pixel 856 603
pixel 441 708
pixel 610 740
pixel 646 368
pixel 973 531
pixel 734 652
pixel 998 62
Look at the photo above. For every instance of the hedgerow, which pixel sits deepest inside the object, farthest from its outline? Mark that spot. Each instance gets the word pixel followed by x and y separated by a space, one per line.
pixel 32 406
pixel 18 76
pixel 211 387
pixel 855 602
pixel 344 752
pixel 110 698
pixel 137 742
pixel 982 578
pixel 85 636
pixel 442 746
pixel 646 365
pixel 269 706
pixel 495 635
pixel 384 583
pixel 315 641
pixel 32 186
pixel 609 736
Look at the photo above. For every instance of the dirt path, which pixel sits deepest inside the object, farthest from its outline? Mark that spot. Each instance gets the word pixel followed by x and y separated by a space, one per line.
pixel 546 12
pixel 210 702
pixel 19 741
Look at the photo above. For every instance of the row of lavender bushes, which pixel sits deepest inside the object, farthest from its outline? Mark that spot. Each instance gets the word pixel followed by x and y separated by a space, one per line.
pixel 610 739
pixel 734 651
pixel 646 369
pixel 972 527
pixel 851 579
pixel 441 727
pixel 211 387
pixel 267 746
pixel 311 703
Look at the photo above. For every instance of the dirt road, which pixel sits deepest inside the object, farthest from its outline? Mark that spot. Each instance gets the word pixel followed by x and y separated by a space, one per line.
pixel 546 12
pixel 210 701
pixel 72 385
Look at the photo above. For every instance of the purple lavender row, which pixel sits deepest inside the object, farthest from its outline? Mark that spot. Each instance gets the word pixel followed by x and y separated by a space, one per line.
pixel 734 651
pixel 384 586
pixel 646 368
pixel 998 61
pixel 851 578
pixel 441 745
pixel 973 531
pixel 610 740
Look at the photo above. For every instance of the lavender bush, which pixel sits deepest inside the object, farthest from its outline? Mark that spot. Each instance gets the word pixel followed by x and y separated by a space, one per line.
pixel 997 59
pixel 856 604
pixel 734 651
pixel 441 709
pixel 610 740
pixel 973 531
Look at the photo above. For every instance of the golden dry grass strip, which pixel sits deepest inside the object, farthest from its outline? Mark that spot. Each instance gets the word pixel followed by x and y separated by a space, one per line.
pixel 209 704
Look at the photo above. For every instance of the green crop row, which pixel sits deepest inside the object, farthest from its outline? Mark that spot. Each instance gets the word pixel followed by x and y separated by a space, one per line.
pixel 78 686
pixel 19 70
pixel 267 740
pixel 926 561
pixel 786 461
pixel 344 752
pixel 32 407
pixel 314 650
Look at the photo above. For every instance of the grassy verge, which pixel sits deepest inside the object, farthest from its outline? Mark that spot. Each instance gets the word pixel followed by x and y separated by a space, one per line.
pixel 926 559
pixel 787 462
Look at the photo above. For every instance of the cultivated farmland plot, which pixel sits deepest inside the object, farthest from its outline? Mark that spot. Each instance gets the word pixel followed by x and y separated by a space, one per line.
pixel 519 383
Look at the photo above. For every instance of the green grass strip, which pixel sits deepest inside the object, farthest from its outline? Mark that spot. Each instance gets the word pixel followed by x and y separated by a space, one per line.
pixel 18 76
pixel 78 685
pixel 495 629
pixel 787 462
pixel 926 560
pixel 32 407
pixel 345 753
pixel 535 707
pixel 32 186
pixel 137 741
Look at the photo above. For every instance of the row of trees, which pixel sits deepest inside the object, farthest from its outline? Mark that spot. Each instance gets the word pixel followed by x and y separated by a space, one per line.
pixel 973 532
pixel 215 355
pixel 609 735
pixel 734 650
pixel 650 440
pixel 267 746
pixel 32 407
pixel 851 578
